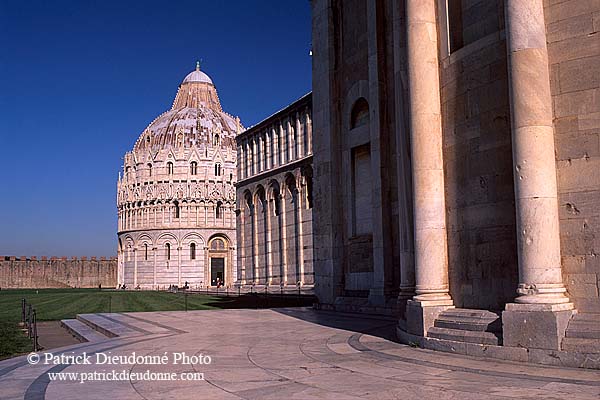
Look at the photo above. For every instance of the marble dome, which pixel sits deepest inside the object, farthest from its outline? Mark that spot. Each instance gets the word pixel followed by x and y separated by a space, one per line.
pixel 176 194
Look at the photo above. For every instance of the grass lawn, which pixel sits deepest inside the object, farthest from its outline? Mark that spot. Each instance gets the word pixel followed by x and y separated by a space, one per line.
pixel 12 340
pixel 56 304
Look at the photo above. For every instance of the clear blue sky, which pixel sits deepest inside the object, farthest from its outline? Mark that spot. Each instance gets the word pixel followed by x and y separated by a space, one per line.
pixel 80 80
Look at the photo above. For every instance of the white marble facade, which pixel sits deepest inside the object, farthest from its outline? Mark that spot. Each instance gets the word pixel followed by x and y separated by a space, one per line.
pixel 176 195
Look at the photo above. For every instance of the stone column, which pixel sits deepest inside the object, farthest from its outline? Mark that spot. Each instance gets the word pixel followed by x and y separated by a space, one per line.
pixel 261 152
pixel 135 269
pixel 431 248
pixel 269 161
pixel 298 144
pixel 275 134
pixel 406 227
pixel 254 155
pixel 179 266
pixel 289 140
pixel 154 268
pixel 539 316
pixel 299 231
pixel 269 240
pixel 283 237
pixel 240 160
pixel 309 133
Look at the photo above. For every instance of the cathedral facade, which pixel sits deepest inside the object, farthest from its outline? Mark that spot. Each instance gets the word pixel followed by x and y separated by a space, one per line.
pixel 176 195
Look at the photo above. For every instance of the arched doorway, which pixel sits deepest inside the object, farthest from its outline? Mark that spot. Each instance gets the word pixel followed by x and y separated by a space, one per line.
pixel 219 271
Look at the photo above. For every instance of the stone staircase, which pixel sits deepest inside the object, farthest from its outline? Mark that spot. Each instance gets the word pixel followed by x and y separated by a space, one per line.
pixel 104 326
pixel 583 334
pixel 470 326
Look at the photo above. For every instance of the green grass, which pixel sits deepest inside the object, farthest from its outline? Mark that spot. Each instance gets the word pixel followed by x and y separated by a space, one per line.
pixel 56 304
pixel 12 340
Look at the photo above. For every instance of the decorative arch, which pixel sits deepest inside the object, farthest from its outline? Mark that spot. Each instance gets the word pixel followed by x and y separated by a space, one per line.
pixel 359 90
pixel 359 115
pixel 167 237
pixel 274 193
pixel 221 236
pixel 260 196
pixel 195 237
pixel 290 184
pixel 307 174
pixel 219 268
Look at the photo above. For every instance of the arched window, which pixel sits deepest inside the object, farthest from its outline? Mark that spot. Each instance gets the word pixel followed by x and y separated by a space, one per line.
pixel 216 140
pixel 170 168
pixel 217 169
pixel 360 113
pixel 193 251
pixel 168 247
pixel 145 251
pixel 218 210
pixel 193 168
pixel 149 169
pixel 177 209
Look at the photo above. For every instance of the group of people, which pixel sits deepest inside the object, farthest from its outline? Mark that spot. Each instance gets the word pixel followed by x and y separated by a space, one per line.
pixel 174 288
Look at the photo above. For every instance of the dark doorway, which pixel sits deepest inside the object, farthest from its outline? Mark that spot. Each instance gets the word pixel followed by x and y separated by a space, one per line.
pixel 217 271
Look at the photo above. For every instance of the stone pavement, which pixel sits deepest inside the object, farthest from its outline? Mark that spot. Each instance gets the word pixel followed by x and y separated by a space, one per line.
pixel 285 354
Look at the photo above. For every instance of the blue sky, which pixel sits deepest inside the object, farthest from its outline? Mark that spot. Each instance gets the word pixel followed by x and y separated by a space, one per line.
pixel 80 80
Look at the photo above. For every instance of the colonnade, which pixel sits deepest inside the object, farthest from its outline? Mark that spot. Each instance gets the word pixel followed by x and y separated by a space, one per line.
pixel 275 233
pixel 286 140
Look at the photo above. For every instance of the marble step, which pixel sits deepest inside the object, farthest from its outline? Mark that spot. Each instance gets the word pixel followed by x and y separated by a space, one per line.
pixel 459 335
pixel 106 326
pixel 469 320
pixel 587 317
pixel 581 345
pixel 471 313
pixel 585 326
pixel 81 331
pixel 136 322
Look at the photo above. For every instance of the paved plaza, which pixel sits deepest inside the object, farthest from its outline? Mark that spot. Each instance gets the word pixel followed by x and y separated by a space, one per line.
pixel 294 353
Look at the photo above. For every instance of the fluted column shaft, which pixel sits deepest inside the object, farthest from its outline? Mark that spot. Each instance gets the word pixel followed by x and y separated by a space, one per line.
pixel 540 278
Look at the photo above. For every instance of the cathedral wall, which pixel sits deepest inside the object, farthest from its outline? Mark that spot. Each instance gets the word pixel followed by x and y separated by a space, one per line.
pixel 477 148
pixel 31 272
pixel 573 35
pixel 357 248
pixel 483 269
pixel 274 199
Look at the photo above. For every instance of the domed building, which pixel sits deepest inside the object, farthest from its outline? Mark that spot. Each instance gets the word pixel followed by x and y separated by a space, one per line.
pixel 176 195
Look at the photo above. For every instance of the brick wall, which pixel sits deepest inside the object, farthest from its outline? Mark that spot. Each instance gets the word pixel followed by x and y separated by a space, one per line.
pixel 54 272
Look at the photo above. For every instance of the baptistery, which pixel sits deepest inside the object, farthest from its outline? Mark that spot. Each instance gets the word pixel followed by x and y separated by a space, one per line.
pixel 176 195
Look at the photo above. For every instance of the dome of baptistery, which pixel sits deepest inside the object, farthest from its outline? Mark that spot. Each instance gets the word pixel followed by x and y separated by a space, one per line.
pixel 176 195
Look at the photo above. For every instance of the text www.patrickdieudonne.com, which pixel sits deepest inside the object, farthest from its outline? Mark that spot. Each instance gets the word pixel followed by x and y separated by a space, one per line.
pixel 125 375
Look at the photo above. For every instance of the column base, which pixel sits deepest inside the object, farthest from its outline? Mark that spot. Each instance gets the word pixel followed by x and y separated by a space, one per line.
pixel 406 292
pixel 421 315
pixel 377 297
pixel 535 326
